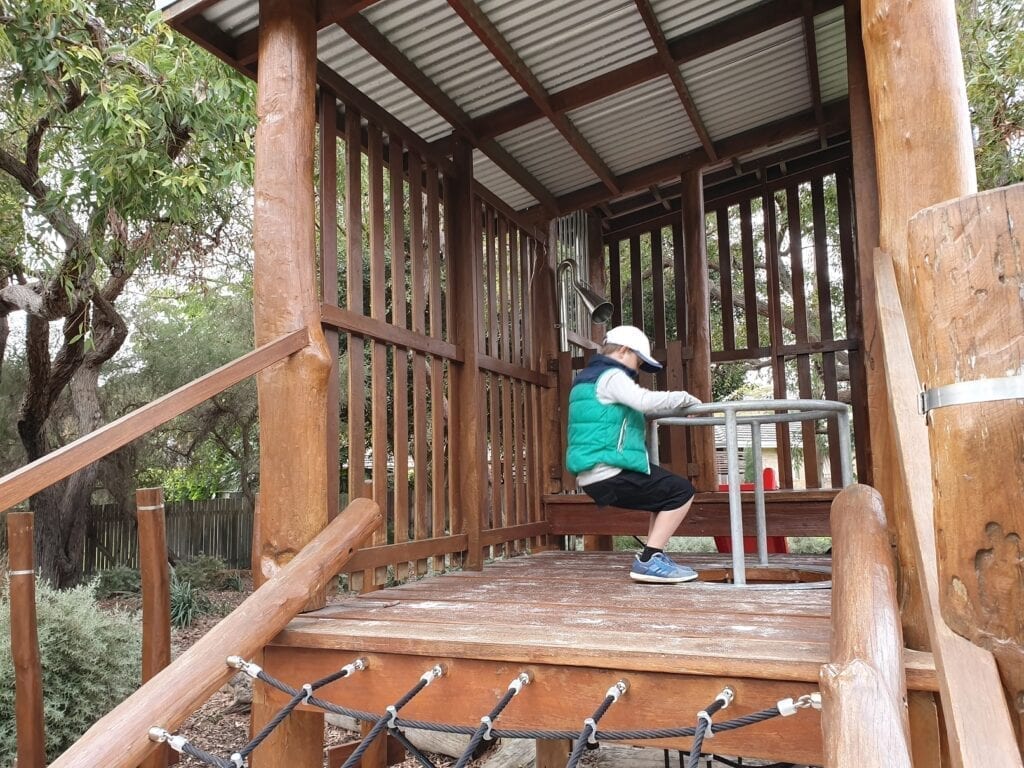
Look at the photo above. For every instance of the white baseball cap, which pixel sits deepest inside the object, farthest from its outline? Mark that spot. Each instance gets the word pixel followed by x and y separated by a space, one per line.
pixel 632 337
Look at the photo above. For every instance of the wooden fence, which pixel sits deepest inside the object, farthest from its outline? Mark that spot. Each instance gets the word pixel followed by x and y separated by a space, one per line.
pixel 217 527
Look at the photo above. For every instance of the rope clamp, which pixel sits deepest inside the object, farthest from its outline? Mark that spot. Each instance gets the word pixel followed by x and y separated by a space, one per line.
pixel 486 722
pixel 517 685
pixel 812 700
pixel 308 688
pixel 617 690
pixel 703 715
pixel 248 667
pixel 432 674
pixel 356 666
pixel 238 760
pixel 392 724
pixel 726 696
pixel 589 722
pixel 161 736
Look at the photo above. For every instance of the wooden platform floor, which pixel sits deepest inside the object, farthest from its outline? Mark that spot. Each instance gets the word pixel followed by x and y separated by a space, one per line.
pixel 578 624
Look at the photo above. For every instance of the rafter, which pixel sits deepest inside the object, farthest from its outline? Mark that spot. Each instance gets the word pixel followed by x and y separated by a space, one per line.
pixel 370 38
pixel 688 47
pixel 672 70
pixel 811 50
pixel 499 47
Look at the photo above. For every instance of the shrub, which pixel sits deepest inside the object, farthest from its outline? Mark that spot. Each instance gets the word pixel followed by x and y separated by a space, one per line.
pixel 188 603
pixel 203 572
pixel 90 659
pixel 119 580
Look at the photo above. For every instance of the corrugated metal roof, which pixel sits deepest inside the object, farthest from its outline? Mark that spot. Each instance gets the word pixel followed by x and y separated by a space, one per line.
pixel 622 142
pixel 570 41
pixel 755 81
pixel 346 57
pixel 771 149
pixel 830 39
pixel 750 83
pixel 485 172
pixel 545 153
pixel 433 37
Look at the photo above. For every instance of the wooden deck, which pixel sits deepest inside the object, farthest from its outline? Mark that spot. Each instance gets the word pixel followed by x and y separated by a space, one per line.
pixel 578 624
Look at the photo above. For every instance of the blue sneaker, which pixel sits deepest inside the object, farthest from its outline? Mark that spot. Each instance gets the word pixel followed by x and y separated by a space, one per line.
pixel 660 569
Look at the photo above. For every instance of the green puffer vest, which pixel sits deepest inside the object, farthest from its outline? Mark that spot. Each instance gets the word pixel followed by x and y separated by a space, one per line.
pixel 603 434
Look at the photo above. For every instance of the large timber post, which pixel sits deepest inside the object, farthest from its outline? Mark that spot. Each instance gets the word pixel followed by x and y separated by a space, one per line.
pixel 293 461
pixel 698 328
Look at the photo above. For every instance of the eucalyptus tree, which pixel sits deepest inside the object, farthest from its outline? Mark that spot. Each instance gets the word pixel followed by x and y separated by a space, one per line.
pixel 123 148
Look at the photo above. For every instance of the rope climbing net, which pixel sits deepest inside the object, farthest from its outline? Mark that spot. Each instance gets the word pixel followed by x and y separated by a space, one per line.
pixel 588 737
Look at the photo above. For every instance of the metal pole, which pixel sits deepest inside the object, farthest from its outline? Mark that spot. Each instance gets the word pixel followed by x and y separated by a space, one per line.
pixel 759 514
pixel 843 422
pixel 739 574
pixel 653 447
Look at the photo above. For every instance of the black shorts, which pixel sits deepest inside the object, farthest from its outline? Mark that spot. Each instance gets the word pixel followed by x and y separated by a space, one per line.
pixel 657 492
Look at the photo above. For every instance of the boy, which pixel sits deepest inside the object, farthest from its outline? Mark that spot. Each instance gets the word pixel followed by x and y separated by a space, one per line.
pixel 607 448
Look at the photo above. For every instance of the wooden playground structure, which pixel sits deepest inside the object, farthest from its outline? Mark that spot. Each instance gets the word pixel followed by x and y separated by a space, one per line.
pixel 423 170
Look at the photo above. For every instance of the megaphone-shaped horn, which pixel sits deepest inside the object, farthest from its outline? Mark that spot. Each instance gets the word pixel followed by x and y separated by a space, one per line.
pixel 599 308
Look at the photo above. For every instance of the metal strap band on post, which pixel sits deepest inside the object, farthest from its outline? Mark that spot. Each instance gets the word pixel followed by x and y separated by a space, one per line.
pixel 971 392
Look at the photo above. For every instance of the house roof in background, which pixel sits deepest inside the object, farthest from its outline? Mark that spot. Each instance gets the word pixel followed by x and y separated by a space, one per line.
pixel 575 104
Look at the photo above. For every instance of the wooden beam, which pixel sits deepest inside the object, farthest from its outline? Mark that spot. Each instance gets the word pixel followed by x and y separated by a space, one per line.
pixel 499 47
pixel 672 70
pixel 370 38
pixel 120 738
pixel 17 486
pixel 293 440
pixel 813 78
pixel 863 685
pixel 684 48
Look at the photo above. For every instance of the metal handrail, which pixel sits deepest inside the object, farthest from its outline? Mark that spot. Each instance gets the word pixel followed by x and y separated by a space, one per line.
pixel 728 414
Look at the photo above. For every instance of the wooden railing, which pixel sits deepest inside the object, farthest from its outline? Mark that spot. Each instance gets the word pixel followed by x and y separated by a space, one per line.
pixel 120 738
pixel 44 472
pixel 977 723
pixel 864 719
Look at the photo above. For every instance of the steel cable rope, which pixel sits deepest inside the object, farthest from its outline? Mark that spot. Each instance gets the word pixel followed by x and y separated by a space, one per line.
pixel 590 724
pixel 484 730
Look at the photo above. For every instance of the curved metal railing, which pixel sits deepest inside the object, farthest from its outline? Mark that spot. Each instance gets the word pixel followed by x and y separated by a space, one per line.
pixel 754 413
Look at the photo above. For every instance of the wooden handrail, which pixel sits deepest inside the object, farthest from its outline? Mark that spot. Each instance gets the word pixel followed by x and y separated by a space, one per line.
pixel 977 721
pixel 120 738
pixel 47 470
pixel 864 720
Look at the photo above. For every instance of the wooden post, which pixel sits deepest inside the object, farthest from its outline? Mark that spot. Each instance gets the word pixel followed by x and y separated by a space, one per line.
pixel 468 422
pixel 543 321
pixel 698 323
pixel 864 721
pixel 293 438
pixel 120 738
pixel 28 674
pixel 156 596
pixel 965 262
pixel 329 288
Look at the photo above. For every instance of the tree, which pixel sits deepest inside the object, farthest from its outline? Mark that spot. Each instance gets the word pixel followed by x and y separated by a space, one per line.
pixel 124 148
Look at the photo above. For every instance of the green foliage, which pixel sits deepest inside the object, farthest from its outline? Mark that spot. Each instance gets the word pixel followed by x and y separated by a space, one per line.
pixel 119 580
pixel 90 660
pixel 188 603
pixel 203 572
pixel 992 43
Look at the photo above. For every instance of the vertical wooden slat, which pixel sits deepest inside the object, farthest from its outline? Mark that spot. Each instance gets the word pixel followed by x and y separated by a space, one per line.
pixel 401 355
pixel 28 674
pixel 725 280
pixel 803 362
pixel 438 401
pixel 493 514
pixel 508 417
pixel 775 333
pixel 750 312
pixel 354 296
pixel 379 413
pixel 679 279
pixel 518 358
pixel 825 325
pixel 615 282
pixel 636 283
pixel 419 277
pixel 658 290
pixel 156 596
pixel 329 287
